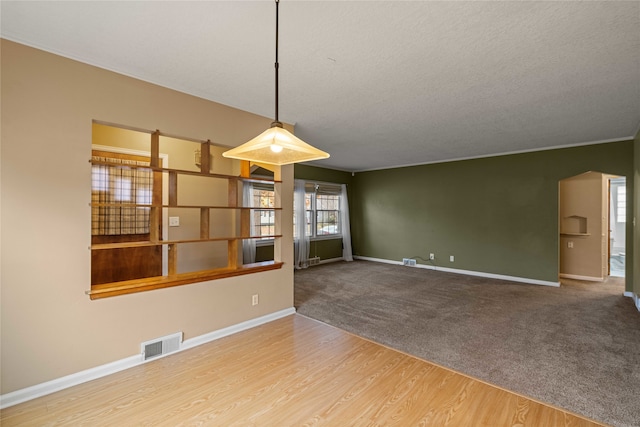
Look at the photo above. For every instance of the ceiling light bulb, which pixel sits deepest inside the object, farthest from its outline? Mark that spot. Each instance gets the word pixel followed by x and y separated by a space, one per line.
pixel 276 148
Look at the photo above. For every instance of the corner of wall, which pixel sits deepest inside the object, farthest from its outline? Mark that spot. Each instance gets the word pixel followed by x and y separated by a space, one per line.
pixel 636 214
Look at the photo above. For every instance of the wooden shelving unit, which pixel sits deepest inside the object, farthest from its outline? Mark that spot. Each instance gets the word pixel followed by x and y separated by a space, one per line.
pixel 234 266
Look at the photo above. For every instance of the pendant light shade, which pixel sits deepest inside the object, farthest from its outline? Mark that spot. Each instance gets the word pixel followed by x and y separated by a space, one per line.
pixel 276 145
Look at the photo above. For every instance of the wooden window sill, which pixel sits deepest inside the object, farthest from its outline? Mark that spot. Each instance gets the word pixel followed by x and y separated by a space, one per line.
pixel 106 290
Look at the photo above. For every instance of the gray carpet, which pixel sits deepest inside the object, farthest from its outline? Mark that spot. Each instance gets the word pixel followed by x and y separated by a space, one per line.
pixel 576 347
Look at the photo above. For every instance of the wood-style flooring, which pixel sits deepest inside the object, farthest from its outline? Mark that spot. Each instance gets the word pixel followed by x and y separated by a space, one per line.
pixel 291 372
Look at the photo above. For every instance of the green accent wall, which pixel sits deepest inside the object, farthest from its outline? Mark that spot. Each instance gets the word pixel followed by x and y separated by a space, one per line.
pixel 264 253
pixel 495 215
pixel 326 248
pixel 314 173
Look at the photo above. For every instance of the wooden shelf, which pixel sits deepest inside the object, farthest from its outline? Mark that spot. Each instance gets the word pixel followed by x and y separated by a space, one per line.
pixel 239 229
pixel 134 205
pixel 186 172
pixel 174 242
pixel 575 234
pixel 150 283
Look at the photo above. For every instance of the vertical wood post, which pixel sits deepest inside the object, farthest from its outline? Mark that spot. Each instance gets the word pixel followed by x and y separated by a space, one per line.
pixel 205 157
pixel 173 188
pixel 205 226
pixel 245 214
pixel 233 246
pixel 173 259
pixel 205 167
pixel 155 215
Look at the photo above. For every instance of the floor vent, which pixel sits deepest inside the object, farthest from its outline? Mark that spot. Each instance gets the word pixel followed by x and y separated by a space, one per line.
pixel 161 346
pixel 314 261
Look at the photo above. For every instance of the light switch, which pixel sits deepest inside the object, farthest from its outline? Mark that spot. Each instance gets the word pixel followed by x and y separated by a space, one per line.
pixel 174 221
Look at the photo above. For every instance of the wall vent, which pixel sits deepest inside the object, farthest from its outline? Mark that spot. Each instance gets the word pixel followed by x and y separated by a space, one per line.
pixel 161 346
pixel 314 261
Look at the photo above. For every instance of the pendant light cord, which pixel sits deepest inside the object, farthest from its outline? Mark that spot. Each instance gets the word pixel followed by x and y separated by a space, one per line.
pixel 277 121
pixel 277 138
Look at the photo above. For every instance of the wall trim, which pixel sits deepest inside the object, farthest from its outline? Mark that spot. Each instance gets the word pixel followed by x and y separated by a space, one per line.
pixel 578 277
pixel 467 272
pixel 634 297
pixel 505 153
pixel 38 390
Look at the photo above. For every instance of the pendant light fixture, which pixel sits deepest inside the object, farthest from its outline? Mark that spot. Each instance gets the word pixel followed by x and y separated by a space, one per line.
pixel 276 145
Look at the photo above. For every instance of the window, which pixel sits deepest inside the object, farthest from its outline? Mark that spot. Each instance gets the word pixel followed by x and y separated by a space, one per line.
pixel 263 218
pixel 327 214
pixel 322 202
pixel 622 204
pixel 116 191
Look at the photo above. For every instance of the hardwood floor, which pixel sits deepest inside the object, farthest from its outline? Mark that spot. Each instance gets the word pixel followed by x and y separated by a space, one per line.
pixel 291 372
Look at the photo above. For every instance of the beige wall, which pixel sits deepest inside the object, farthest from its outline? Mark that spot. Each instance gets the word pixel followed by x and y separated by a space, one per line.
pixel 50 328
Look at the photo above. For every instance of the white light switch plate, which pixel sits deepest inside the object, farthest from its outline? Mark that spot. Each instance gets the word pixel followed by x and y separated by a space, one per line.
pixel 174 221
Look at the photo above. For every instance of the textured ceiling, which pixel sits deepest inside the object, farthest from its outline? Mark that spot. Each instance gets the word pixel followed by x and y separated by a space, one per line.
pixel 376 84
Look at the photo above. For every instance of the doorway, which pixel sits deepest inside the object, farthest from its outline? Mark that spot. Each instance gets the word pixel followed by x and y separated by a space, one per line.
pixel 592 225
pixel 617 225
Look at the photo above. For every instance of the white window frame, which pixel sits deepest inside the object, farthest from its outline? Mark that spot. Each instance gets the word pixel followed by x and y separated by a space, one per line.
pixel 316 188
pixel 264 241
pixel 621 207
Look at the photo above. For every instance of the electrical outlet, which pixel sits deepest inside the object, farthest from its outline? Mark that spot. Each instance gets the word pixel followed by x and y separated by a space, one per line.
pixel 174 221
pixel 254 299
pixel 451 258
pixel 432 257
pixel 570 245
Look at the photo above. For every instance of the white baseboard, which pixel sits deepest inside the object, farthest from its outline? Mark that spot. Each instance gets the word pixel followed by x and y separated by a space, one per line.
pixel 221 333
pixel 327 261
pixel 634 297
pixel 467 272
pixel 385 261
pixel 38 390
pixel 578 277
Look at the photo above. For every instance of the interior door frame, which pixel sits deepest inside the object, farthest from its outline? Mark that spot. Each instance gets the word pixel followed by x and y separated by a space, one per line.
pixel 606 247
pixel 624 180
pixel 609 226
